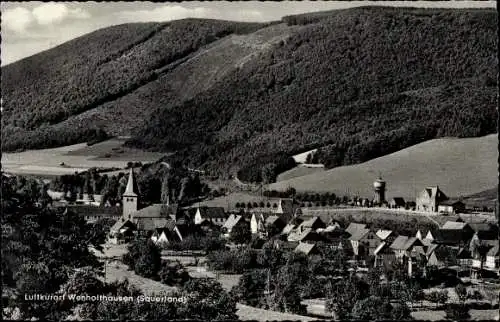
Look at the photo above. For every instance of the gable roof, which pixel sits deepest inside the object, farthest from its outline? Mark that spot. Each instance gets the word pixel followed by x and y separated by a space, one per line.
pixel 354 227
pixel 383 245
pixel 271 220
pixel 288 229
pixel 399 201
pixel 312 221
pixel 232 221
pixel 451 202
pixel 494 251
pixel 149 224
pixel 453 225
pixel 359 234
pixel 383 234
pixel 155 211
pixel 305 248
pixel 120 223
pixel 435 193
pixel 405 243
pixel 212 212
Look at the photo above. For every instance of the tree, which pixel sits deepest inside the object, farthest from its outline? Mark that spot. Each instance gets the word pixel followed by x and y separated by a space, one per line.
pixel 241 234
pixel 457 312
pixel 269 173
pixel 207 300
pixel 343 295
pixel 173 274
pixel 165 188
pixel 372 308
pixel 461 291
pixel 251 287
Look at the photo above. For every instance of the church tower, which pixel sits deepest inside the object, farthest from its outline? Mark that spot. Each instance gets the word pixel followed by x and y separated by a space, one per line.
pixel 130 196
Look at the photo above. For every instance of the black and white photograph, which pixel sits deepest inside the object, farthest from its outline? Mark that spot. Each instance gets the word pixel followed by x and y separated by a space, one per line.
pixel 250 160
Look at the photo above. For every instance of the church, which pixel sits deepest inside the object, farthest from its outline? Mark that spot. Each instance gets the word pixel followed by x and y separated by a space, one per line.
pixel 144 221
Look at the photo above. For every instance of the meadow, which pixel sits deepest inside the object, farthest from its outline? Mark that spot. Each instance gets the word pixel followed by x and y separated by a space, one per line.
pixel 459 167
pixel 74 158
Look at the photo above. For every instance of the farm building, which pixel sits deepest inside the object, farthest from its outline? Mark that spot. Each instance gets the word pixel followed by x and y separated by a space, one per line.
pixel 232 222
pixel 429 199
pixel 454 234
pixel 451 207
pixel 215 215
pixel 397 203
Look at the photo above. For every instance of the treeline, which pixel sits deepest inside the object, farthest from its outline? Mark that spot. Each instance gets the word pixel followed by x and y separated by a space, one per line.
pixel 352 83
pixel 156 184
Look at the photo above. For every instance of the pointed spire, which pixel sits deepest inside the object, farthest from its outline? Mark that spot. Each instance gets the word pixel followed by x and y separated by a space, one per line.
pixel 130 191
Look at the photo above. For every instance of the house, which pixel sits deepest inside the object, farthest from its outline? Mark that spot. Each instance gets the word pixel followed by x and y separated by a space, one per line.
pixel 364 241
pixel 307 249
pixel 93 213
pixel 384 255
pixel 332 232
pixel 454 233
pixel 429 199
pixel 232 222
pixel 288 229
pixel 274 225
pixel 257 224
pixel 313 223
pixel 167 234
pixel 306 235
pixel 215 215
pixel 397 202
pixel 385 235
pixel 451 207
pixel 354 227
pixel 442 256
pixel 492 257
pixel 406 250
pixel 122 231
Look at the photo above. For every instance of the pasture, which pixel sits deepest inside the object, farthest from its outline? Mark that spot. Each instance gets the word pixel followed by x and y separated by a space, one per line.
pixel 298 171
pixel 459 167
pixel 74 158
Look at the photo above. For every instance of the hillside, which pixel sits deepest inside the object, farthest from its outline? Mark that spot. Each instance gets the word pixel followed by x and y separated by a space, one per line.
pixel 460 167
pixel 357 83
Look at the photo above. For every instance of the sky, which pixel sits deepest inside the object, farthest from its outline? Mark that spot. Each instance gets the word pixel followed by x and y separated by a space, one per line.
pixel 31 27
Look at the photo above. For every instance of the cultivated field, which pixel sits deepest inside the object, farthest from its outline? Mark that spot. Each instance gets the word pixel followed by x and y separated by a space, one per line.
pixel 113 150
pixel 457 166
pixel 73 158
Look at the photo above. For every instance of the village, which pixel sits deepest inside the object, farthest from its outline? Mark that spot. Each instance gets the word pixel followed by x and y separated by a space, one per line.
pixel 460 250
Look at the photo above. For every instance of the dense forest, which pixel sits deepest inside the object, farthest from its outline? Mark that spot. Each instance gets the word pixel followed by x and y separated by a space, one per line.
pixel 356 84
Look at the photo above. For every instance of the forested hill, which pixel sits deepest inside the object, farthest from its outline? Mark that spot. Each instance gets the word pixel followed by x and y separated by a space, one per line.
pixel 356 83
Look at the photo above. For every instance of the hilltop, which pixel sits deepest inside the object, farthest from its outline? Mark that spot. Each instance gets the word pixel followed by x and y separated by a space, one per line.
pixel 460 167
pixel 232 97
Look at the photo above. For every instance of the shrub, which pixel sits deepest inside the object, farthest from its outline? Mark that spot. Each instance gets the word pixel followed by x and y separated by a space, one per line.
pixel 457 312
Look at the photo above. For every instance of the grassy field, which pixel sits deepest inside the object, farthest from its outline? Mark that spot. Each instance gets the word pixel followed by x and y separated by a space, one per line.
pixel 459 167
pixel 113 150
pixel 73 158
pixel 298 171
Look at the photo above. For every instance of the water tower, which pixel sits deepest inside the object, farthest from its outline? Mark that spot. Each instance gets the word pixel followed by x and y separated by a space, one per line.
pixel 379 186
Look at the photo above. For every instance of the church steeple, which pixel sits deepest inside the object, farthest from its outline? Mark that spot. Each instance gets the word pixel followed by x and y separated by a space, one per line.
pixel 130 196
pixel 130 191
